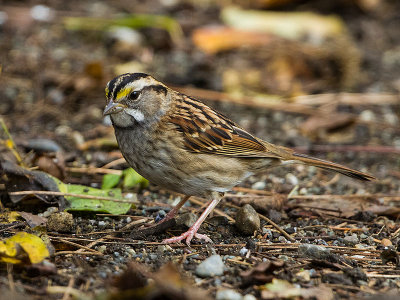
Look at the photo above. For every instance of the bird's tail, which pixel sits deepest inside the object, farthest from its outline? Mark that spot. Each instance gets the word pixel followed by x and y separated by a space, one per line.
pixel 327 165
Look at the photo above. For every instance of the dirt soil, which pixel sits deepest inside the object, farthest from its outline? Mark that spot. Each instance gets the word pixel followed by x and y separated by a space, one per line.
pixel 332 102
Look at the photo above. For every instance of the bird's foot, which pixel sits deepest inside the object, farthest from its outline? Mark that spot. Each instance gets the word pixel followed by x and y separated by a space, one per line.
pixel 188 235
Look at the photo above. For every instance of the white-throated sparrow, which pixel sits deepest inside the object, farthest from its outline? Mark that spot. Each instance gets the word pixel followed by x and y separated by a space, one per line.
pixel 185 146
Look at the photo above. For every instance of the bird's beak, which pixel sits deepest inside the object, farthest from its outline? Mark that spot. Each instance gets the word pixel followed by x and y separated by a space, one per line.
pixel 113 108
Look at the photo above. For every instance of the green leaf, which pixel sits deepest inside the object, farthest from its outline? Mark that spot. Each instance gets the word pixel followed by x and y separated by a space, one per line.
pixel 132 179
pixel 110 181
pixel 132 21
pixel 96 205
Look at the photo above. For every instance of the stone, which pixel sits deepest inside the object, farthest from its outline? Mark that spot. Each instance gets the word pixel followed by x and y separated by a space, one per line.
pixel 228 294
pixel 186 219
pixel 314 251
pixel 212 266
pixel 247 220
pixel 351 240
pixel 259 185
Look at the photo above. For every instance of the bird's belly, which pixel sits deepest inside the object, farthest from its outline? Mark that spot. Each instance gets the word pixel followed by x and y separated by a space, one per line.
pixel 181 171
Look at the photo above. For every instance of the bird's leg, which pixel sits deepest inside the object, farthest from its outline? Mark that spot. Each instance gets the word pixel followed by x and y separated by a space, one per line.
pixel 192 232
pixel 173 211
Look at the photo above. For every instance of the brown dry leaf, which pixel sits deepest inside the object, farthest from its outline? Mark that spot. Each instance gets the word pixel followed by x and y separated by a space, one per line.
pixel 167 283
pixel 32 220
pixel 319 125
pixel 52 164
pixel 264 204
pixel 262 273
pixel 284 289
pixel 385 210
pixel 17 179
pixel 216 39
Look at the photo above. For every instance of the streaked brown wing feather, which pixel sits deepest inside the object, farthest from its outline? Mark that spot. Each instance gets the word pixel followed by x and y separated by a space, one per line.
pixel 207 131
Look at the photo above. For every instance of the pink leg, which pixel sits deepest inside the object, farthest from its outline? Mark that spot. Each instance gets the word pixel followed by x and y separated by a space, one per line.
pixel 192 232
pixel 173 211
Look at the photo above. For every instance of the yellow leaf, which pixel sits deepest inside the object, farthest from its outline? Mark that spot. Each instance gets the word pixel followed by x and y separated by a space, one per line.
pixel 9 217
pixel 14 249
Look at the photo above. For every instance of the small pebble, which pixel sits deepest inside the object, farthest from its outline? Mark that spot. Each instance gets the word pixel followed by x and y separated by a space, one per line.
pixel 290 178
pixel 128 220
pixel 101 223
pixel 249 297
pixel 212 266
pixel 247 220
pixel 284 257
pixel 351 239
pixel 259 185
pixel 51 210
pixel 304 275
pixel 131 252
pixel 313 251
pixel 102 248
pixel 163 248
pixel 367 115
pixel 386 242
pixel 228 295
pixel 243 251
pixel 187 219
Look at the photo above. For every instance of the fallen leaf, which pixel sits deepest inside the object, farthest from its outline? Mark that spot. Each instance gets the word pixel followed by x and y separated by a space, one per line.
pixel 262 273
pixel 213 39
pixel 32 220
pixel 166 283
pixel 284 289
pixel 290 25
pixel 21 179
pixel 7 217
pixel 318 125
pixel 23 247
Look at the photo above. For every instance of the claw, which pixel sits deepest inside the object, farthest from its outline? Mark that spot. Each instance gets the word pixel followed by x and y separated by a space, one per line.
pixel 188 235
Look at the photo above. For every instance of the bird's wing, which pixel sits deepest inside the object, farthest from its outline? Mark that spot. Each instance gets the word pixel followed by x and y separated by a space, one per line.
pixel 207 131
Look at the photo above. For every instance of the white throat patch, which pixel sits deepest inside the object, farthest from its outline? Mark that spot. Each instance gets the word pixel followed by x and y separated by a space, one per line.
pixel 135 113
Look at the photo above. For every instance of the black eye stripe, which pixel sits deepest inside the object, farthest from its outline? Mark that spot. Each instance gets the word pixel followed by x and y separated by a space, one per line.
pixel 119 82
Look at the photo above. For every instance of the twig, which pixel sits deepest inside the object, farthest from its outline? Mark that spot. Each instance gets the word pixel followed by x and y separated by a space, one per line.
pixel 77 245
pixel 79 253
pixel 10 278
pixel 62 289
pixel 114 163
pixel 69 287
pixel 72 195
pixel 91 170
pixel 252 191
pixel 10 143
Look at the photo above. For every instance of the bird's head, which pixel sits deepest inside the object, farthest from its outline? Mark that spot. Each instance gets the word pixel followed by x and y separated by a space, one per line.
pixel 134 99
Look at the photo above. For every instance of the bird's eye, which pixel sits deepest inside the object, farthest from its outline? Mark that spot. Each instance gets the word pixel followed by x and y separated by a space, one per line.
pixel 134 95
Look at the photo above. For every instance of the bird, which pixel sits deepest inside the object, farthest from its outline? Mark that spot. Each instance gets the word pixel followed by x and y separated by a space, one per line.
pixel 183 145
